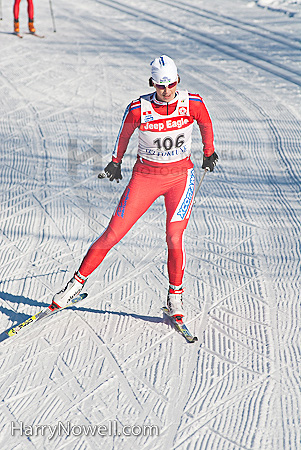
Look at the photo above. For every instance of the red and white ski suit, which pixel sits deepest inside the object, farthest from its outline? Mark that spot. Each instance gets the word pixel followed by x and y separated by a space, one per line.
pixel 30 10
pixel 163 167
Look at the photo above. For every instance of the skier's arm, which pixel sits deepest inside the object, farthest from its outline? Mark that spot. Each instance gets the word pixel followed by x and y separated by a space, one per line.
pixel 131 120
pixel 199 112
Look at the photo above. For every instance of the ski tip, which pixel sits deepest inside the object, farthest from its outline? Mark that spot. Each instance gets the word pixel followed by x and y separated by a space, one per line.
pixel 41 36
pixel 13 331
pixel 191 338
pixel 10 333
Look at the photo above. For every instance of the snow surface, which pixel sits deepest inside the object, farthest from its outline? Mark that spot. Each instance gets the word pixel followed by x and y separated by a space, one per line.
pixel 113 361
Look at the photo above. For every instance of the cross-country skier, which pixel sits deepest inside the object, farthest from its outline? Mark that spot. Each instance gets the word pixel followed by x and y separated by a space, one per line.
pixel 30 10
pixel 164 120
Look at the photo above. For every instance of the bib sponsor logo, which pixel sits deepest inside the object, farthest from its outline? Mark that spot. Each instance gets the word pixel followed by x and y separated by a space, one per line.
pixel 167 124
pixel 166 154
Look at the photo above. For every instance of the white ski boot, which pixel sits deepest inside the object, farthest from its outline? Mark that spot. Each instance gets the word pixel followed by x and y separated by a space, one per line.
pixel 71 290
pixel 175 301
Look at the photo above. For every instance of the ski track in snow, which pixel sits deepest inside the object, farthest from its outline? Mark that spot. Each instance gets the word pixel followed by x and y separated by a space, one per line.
pixel 113 358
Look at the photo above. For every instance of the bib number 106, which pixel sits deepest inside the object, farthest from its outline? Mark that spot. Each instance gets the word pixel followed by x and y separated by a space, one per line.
pixel 167 143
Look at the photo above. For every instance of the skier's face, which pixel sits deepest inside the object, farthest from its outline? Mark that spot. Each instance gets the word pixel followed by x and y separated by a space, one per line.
pixel 166 93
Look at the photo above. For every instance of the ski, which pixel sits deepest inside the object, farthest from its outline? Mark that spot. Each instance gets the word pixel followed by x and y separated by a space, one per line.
pixel 44 313
pixel 180 326
pixel 37 35
pixel 18 35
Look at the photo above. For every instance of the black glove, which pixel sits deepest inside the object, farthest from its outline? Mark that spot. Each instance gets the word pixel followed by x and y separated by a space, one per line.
pixel 113 171
pixel 210 161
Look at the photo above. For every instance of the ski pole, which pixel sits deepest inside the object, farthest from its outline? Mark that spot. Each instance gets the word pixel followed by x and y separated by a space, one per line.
pixel 52 15
pixel 199 185
pixel 0 9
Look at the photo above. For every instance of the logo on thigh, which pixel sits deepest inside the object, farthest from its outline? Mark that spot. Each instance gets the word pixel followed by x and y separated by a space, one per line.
pixel 122 204
pixel 184 207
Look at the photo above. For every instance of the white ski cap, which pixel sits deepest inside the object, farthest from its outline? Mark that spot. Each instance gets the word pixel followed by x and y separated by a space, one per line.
pixel 164 70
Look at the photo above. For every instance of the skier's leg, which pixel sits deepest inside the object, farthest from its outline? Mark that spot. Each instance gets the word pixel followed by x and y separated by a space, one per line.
pixel 178 202
pixel 135 201
pixel 16 16
pixel 16 10
pixel 176 252
pixel 30 10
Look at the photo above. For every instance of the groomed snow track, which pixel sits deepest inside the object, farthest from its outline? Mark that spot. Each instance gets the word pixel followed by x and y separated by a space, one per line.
pixel 113 361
